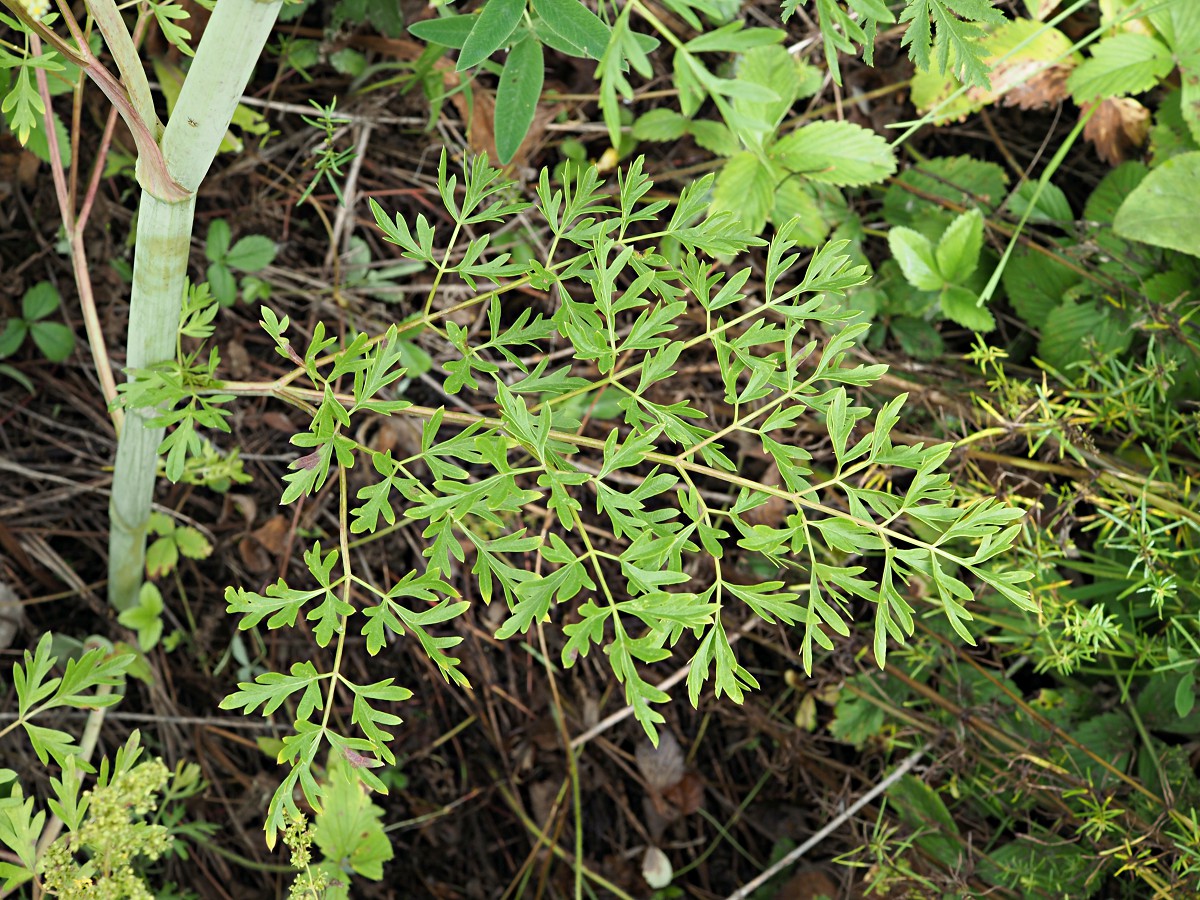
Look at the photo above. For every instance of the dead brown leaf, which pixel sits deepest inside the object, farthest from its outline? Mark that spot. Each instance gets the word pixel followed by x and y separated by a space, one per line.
pixel 1047 87
pixel 274 534
pixel 279 422
pixel 1024 83
pixel 12 616
pixel 261 548
pixel 18 167
pixel 400 436
pixel 243 505
pixel 671 790
pixel 687 795
pixel 543 800
pixel 1118 128
pixel 237 357
pixel 809 884
pixel 662 766
pixel 772 511
pixel 479 112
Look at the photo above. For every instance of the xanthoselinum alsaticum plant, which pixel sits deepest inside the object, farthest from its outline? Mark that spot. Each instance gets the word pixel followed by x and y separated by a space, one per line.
pixel 635 503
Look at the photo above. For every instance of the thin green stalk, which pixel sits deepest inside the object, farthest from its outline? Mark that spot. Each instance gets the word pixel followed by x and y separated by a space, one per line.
pixel 225 59
pixel 986 295
pixel 800 499
pixel 124 52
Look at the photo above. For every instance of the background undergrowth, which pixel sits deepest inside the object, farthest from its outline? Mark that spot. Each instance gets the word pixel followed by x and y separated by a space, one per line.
pixel 606 354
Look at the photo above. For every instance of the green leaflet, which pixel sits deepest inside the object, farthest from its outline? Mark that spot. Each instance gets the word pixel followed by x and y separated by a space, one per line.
pixel 575 24
pixel 1125 64
pixel 1162 210
pixel 491 30
pixel 517 96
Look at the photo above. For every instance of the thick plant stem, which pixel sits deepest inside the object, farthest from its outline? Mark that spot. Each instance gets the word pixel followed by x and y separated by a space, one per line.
pixel 164 232
pixel 224 62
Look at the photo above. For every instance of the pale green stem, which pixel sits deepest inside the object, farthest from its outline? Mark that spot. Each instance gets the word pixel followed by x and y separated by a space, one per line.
pixel 225 59
pixel 232 44
pixel 159 274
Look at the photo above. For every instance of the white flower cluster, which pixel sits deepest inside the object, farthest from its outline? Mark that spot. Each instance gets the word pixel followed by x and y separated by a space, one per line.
pixel 37 8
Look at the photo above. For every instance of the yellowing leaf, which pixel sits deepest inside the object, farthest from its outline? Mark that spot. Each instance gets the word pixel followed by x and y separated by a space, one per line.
pixel 1118 128
pixel 1030 64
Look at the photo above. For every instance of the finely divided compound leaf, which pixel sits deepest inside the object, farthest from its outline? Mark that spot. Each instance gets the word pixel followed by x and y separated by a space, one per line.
pixel 270 689
pixel 620 305
pixel 944 34
pixel 166 15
